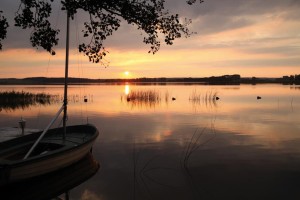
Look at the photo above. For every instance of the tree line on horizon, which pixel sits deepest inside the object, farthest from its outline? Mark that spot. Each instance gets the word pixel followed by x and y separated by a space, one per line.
pixel 225 79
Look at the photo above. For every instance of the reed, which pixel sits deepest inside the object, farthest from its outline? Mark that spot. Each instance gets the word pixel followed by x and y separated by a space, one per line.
pixel 143 98
pixel 209 98
pixel 144 95
pixel 167 97
pixel 14 100
pixel 199 139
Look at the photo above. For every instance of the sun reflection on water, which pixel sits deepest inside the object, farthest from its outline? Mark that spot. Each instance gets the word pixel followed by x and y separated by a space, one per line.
pixel 127 89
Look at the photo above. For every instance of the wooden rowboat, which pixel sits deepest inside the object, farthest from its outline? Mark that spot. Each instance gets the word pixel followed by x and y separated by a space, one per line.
pixel 51 153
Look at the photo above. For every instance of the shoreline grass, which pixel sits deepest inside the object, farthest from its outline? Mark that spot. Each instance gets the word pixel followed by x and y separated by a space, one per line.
pixel 14 100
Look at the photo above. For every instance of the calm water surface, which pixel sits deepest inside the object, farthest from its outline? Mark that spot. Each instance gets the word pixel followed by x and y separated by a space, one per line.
pixel 195 147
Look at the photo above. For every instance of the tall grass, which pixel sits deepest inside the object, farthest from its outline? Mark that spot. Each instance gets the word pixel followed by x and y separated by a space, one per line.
pixel 145 98
pixel 14 100
pixel 144 95
pixel 207 99
pixel 198 140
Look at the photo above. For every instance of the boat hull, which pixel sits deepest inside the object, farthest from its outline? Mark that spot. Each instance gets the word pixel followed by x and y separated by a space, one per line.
pixel 52 184
pixel 42 162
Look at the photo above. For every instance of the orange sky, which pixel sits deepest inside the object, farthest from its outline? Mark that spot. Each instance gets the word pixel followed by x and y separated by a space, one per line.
pixel 262 42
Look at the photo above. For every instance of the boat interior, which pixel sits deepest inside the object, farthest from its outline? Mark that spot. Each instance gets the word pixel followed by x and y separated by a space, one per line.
pixel 48 144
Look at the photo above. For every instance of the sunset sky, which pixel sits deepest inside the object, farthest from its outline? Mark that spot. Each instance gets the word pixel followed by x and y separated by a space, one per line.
pixel 250 38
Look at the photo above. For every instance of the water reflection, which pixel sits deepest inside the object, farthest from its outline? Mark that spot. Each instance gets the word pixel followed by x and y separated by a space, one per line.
pixel 212 166
pixel 168 173
pixel 233 148
pixel 127 89
pixel 53 184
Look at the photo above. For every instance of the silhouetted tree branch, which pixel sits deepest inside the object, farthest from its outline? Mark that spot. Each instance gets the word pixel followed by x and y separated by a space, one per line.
pixel 3 27
pixel 190 2
pixel 150 16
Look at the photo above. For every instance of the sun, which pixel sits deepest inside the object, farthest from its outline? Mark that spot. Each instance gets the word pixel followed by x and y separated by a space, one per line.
pixel 126 73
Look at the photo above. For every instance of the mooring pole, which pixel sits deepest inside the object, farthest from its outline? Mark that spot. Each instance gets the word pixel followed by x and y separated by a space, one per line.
pixel 66 77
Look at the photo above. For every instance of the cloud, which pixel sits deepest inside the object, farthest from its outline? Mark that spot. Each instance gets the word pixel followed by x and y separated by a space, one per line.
pixel 282 62
pixel 215 16
pixel 210 17
pixel 235 34
pixel 279 50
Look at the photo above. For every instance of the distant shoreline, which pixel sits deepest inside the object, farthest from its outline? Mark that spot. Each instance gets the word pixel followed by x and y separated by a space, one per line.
pixel 213 80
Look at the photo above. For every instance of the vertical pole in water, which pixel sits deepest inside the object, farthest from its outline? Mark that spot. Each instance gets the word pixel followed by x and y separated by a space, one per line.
pixel 67 196
pixel 66 77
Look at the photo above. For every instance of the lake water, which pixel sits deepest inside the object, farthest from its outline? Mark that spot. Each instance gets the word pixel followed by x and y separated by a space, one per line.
pixel 193 147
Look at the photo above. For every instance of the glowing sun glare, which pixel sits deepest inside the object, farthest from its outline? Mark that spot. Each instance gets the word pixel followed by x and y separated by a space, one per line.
pixel 126 73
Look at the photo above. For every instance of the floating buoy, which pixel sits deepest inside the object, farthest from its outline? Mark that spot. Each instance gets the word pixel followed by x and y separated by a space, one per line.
pixel 173 98
pixel 258 97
